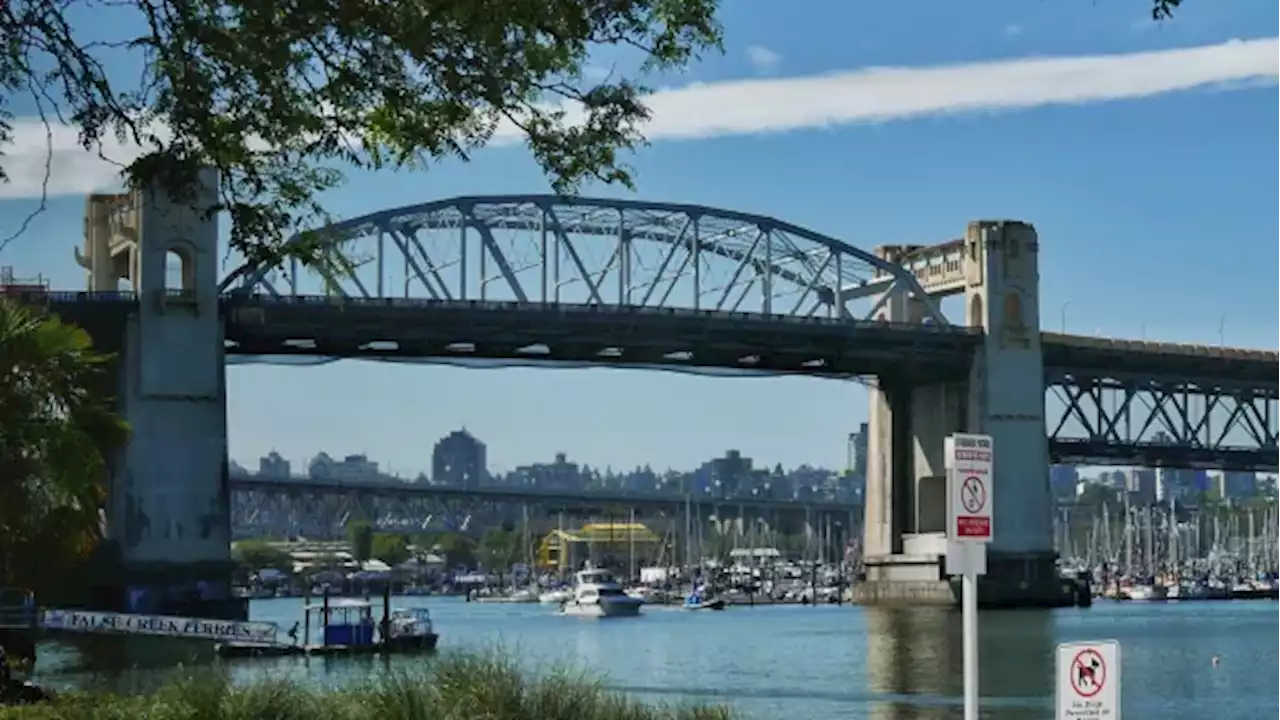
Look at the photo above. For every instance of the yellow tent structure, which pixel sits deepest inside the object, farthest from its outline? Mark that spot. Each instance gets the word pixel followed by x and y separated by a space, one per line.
pixel 564 550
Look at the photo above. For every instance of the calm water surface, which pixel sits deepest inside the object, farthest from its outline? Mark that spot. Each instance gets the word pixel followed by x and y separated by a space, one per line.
pixel 834 662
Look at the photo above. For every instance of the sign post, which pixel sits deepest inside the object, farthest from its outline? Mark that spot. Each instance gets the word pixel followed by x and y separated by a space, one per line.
pixel 970 463
pixel 1088 681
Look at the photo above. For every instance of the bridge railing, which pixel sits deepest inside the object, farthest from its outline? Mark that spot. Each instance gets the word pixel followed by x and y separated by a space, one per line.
pixel 1168 348
pixel 63 296
pixel 584 308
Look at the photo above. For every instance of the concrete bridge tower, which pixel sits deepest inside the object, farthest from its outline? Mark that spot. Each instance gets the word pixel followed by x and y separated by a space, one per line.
pixel 168 504
pixel 995 267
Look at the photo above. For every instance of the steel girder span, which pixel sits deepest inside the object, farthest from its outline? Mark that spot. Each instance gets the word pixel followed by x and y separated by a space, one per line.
pixel 1113 419
pixel 274 509
pixel 629 263
pixel 263 512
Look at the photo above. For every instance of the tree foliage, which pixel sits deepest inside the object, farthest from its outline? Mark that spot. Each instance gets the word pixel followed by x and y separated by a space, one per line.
pixel 390 548
pixel 499 548
pixel 360 535
pixel 280 96
pixel 1164 9
pixel 255 555
pixel 457 549
pixel 56 432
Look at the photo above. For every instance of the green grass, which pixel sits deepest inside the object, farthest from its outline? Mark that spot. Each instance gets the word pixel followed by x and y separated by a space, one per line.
pixel 455 687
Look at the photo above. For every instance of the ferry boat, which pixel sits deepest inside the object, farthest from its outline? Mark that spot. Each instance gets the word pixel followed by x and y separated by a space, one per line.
pixel 598 594
pixel 347 626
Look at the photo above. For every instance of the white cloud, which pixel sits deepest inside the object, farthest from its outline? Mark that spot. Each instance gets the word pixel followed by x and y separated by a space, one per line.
pixel 778 105
pixel 763 59
pixel 1012 30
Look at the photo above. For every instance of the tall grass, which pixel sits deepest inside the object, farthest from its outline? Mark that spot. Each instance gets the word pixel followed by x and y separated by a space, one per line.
pixel 455 687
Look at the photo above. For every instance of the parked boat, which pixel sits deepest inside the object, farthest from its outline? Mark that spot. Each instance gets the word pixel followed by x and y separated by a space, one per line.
pixel 1144 592
pixel 555 597
pixel 598 594
pixel 699 600
pixel 648 595
pixel 524 595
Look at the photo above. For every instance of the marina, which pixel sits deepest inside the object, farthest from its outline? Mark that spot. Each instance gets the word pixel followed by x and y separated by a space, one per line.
pixel 1172 551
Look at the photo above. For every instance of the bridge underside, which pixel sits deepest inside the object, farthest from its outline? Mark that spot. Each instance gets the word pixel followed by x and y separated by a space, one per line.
pixel 583 333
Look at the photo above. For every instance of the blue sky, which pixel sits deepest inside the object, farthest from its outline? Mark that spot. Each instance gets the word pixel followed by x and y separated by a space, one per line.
pixel 1155 204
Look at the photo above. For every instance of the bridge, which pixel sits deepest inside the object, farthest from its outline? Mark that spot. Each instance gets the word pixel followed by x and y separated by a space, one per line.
pixel 319 507
pixel 539 280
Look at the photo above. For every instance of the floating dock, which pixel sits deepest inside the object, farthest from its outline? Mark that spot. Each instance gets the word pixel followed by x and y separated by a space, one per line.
pixel 347 628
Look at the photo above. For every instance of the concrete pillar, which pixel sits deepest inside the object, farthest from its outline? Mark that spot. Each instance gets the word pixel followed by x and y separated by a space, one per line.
pixel 904 502
pixel 169 506
pixel 906 480
pixel 887 501
pixel 1006 400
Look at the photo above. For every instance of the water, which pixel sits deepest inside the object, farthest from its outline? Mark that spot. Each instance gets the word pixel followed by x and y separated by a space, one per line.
pixel 836 662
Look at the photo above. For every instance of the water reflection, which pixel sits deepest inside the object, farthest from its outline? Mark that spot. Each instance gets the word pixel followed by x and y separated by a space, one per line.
pixel 915 660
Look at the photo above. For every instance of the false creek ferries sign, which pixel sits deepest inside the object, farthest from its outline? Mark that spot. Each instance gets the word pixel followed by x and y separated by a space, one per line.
pixel 126 624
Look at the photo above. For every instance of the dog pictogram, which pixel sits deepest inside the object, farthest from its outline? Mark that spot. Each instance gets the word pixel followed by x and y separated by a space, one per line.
pixel 1088 673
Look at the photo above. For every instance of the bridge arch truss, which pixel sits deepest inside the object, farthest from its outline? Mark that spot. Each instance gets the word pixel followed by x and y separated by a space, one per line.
pixel 605 252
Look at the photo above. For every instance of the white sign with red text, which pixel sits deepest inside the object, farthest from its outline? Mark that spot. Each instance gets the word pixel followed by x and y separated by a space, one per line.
pixel 970 468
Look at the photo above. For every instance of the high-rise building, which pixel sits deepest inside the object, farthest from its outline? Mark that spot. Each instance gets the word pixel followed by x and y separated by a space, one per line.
pixel 350 469
pixel 1237 485
pixel 558 475
pixel 1063 480
pixel 272 465
pixel 1140 483
pixel 459 459
pixel 858 452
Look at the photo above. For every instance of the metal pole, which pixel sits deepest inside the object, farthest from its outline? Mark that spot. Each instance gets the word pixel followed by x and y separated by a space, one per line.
pixel 969 609
pixel 631 545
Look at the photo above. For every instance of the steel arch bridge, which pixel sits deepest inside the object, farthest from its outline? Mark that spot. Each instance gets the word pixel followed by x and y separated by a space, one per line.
pixel 526 279
pixel 554 249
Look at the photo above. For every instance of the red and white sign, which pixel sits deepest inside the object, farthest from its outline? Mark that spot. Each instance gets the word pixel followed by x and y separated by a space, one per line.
pixel 1088 680
pixel 970 466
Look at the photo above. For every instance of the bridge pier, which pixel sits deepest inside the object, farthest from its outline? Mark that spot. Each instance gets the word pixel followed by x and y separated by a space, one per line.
pixel 168 505
pixel 905 538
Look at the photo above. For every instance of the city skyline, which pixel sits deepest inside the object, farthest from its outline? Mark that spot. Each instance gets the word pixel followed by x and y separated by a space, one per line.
pixel 299 464
pixel 458 460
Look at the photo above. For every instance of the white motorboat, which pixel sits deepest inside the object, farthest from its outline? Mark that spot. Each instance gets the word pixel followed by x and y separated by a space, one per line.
pixel 524 595
pixel 1145 592
pixel 598 594
pixel 555 597
pixel 647 595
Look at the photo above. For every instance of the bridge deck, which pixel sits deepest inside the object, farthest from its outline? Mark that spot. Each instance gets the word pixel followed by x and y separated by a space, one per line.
pixel 617 335
pixel 817 346
pixel 1184 362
